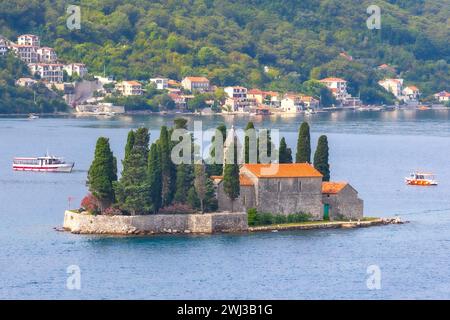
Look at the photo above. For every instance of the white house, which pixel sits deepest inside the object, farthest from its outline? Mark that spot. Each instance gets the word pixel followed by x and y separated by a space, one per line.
pixel 199 84
pixel 50 72
pixel 26 53
pixel 28 40
pixel 394 86
pixel 443 96
pixel 79 69
pixel 25 82
pixel 411 93
pixel 4 43
pixel 292 103
pixel 46 55
pixel 129 88
pixel 161 83
pixel 236 92
pixel 337 86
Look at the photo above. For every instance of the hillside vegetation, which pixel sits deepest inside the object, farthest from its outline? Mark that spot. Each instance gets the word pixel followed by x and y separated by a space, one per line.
pixel 231 41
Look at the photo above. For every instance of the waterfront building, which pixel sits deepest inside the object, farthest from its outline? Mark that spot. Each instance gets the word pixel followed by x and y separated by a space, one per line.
pixel 237 100
pixel 394 86
pixel 161 83
pixel 46 55
pixel 269 98
pixel 443 96
pixel 337 86
pixel 411 93
pixel 100 109
pixel 196 84
pixel 292 103
pixel 28 40
pixel 79 69
pixel 284 189
pixel 129 88
pixel 49 72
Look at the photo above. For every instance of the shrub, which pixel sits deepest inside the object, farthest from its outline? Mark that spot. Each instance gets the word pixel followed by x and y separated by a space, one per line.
pixel 251 216
pixel 91 204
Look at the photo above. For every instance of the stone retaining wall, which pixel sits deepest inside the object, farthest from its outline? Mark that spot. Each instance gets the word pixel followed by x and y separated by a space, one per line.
pixel 155 224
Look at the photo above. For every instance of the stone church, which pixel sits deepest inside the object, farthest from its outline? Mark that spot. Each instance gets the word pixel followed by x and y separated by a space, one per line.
pixel 291 188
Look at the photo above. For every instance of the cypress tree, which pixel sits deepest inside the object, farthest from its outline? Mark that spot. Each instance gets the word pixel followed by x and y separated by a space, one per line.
pixel 231 183
pixel 102 173
pixel 200 184
pixel 216 169
pixel 285 152
pixel 167 168
pixel 250 136
pixel 154 176
pixel 183 182
pixel 133 189
pixel 180 123
pixel 130 143
pixel 303 144
pixel 321 158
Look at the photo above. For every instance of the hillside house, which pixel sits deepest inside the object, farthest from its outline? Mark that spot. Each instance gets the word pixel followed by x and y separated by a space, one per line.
pixel 196 84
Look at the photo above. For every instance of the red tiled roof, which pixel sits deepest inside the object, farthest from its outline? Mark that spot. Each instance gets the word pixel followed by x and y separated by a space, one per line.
pixel 333 187
pixel 197 79
pixel 284 170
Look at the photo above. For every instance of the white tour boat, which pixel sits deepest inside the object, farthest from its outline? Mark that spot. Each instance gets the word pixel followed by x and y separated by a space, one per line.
pixel 42 164
pixel 421 179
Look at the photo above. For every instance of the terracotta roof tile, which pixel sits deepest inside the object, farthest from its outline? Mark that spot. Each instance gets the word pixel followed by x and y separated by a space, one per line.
pixel 286 170
pixel 333 187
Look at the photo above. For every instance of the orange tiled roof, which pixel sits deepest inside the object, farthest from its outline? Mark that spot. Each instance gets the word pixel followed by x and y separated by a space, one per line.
pixel 132 83
pixel 333 187
pixel 285 170
pixel 243 180
pixel 332 80
pixel 198 79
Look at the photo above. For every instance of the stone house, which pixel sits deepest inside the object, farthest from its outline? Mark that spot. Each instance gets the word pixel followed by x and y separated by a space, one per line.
pixel 341 201
pixel 196 84
pixel 289 188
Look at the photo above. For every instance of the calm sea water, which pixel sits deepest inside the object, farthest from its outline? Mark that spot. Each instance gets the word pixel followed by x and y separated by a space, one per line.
pixel 373 151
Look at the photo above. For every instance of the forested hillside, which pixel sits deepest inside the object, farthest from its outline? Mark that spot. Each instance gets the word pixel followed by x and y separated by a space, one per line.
pixel 231 41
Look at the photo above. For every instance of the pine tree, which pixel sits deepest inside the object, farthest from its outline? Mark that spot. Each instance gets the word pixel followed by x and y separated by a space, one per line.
pixel 303 144
pixel 285 155
pixel 154 176
pixel 133 188
pixel 200 184
pixel 102 173
pixel 130 143
pixel 250 137
pixel 321 158
pixel 216 169
pixel 231 183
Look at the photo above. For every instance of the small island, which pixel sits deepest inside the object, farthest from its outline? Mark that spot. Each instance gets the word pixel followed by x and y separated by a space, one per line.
pixel 156 194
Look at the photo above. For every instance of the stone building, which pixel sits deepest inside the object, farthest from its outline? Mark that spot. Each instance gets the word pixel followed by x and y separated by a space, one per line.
pixel 341 201
pixel 291 188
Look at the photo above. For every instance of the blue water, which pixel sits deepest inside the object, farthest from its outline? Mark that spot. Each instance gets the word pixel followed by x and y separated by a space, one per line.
pixel 373 151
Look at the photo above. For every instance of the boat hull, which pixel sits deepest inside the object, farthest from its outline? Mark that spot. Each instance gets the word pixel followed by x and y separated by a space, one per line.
pixel 64 168
pixel 424 183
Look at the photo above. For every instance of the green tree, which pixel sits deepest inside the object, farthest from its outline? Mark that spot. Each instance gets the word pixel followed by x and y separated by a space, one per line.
pixel 285 153
pixel 200 184
pixel 216 169
pixel 180 123
pixel 154 176
pixel 183 182
pixel 303 144
pixel 231 182
pixel 130 143
pixel 321 158
pixel 133 188
pixel 167 167
pixel 250 136
pixel 103 173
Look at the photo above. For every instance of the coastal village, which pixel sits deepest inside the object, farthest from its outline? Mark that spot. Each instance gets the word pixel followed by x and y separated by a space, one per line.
pixel 89 94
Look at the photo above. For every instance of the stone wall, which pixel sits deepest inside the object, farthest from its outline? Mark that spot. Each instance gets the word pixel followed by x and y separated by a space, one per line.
pixel 290 195
pixel 245 200
pixel 155 224
pixel 345 204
